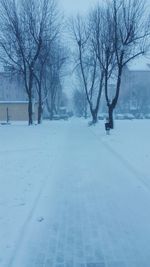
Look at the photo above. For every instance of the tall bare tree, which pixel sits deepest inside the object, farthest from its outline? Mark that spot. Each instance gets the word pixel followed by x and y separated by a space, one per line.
pixel 128 23
pixel 53 77
pixel 51 39
pixel 103 41
pixel 25 26
pixel 87 62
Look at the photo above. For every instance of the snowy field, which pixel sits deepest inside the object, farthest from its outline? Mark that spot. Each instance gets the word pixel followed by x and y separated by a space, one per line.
pixel 70 196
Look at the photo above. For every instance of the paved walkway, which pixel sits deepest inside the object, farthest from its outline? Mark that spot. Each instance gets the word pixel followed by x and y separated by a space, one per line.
pixel 92 211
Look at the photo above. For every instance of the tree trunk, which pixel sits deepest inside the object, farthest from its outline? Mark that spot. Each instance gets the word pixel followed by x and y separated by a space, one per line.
pixel 30 105
pixel 94 116
pixel 30 111
pixel 110 113
pixel 85 107
pixel 85 113
pixel 112 105
pixel 51 113
pixel 40 112
pixel 52 107
pixel 40 109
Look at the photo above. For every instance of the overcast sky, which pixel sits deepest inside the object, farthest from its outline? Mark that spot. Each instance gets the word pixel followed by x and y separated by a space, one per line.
pixel 71 7
pixel 74 6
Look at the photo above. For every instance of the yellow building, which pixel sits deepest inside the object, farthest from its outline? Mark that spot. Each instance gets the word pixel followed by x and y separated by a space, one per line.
pixel 16 111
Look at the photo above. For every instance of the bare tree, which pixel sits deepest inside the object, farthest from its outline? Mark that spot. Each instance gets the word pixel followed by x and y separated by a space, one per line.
pixel 25 26
pixel 54 75
pixel 129 28
pixel 79 103
pixel 50 39
pixel 103 42
pixel 87 61
pixel 79 96
pixel 39 76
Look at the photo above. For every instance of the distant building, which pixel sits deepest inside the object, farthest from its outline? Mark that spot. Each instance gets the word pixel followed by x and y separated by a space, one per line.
pixel 16 111
pixel 13 98
pixel 11 87
pixel 135 87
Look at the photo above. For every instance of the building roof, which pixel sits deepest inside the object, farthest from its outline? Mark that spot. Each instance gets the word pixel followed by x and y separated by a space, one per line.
pixel 14 102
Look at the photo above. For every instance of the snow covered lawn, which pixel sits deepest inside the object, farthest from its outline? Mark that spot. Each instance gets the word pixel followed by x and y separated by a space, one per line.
pixel 130 141
pixel 70 196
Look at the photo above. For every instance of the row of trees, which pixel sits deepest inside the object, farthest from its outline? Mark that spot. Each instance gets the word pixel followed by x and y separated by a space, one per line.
pixel 30 44
pixel 107 39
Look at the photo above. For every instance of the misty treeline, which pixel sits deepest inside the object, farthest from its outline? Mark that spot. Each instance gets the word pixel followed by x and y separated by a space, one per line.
pixel 30 44
pixel 107 38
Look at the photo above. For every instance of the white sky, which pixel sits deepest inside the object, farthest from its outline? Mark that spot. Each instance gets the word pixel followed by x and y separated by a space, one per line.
pixel 71 7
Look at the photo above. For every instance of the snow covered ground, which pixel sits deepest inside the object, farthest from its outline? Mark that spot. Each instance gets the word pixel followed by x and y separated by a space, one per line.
pixel 70 196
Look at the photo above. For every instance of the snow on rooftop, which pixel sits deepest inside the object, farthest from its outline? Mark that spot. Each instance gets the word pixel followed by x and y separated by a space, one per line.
pixel 13 102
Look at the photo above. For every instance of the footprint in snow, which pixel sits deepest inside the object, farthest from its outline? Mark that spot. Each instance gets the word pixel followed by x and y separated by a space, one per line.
pixel 40 219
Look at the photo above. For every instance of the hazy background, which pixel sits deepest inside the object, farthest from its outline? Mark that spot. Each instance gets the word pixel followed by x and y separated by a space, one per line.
pixel 71 7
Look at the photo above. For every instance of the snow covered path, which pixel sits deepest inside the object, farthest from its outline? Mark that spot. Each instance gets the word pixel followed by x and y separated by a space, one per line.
pixel 67 199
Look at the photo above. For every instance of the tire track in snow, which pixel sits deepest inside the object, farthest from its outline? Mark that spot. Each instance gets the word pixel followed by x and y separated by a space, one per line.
pixel 26 223
pixel 123 161
pixel 21 150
